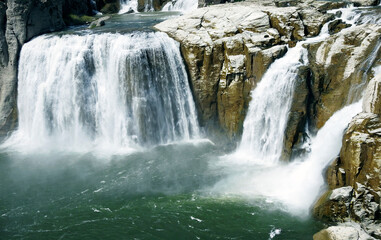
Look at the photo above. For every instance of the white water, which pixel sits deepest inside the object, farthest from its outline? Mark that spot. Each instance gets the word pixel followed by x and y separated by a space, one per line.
pixel 296 185
pixel 181 5
pixel 254 169
pixel 106 92
pixel 127 5
pixel 266 121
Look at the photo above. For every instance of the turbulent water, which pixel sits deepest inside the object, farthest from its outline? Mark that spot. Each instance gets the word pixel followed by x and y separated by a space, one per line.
pixel 108 91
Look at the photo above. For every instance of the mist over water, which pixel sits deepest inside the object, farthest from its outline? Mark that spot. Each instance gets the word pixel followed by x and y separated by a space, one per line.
pixel 294 186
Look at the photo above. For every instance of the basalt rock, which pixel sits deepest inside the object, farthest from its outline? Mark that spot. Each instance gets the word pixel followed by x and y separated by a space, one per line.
pixel 358 168
pixel 341 68
pixel 227 49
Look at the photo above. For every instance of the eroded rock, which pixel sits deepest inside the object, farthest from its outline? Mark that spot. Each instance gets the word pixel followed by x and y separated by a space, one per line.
pixel 227 49
pixel 341 66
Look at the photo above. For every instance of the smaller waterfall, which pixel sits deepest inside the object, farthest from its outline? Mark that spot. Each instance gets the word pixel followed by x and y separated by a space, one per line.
pixel 267 117
pixel 108 91
pixel 181 5
pixel 296 185
pixel 128 5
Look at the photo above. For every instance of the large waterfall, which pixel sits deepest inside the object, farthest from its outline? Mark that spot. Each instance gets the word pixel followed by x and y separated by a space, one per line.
pixel 103 91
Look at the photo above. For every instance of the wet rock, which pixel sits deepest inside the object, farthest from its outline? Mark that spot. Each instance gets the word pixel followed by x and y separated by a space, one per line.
pixel 99 22
pixel 110 7
pixel 366 2
pixel 358 168
pixel 337 25
pixel 314 20
pixel 334 205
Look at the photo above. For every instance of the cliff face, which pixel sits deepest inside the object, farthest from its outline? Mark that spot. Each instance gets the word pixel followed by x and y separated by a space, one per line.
pixel 341 67
pixel 354 178
pixel 228 48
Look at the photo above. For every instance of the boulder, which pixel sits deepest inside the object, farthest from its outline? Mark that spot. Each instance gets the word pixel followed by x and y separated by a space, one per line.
pixel 337 25
pixel 314 20
pixel 99 22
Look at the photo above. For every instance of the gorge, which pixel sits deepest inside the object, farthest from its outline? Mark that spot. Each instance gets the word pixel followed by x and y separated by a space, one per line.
pixel 251 120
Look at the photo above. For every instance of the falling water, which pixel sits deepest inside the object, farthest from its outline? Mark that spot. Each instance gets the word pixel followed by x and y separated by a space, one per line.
pixel 106 91
pixel 181 5
pixel 128 5
pixel 264 125
pixel 296 185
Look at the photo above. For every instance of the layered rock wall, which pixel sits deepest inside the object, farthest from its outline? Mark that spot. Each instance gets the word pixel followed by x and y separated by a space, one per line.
pixel 228 48
pixel 341 67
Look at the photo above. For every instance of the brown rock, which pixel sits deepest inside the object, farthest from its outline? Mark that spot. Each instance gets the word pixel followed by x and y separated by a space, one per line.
pixel 341 67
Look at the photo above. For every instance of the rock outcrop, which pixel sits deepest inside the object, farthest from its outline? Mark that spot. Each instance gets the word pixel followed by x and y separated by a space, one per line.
pixel 227 49
pixel 354 178
pixel 341 69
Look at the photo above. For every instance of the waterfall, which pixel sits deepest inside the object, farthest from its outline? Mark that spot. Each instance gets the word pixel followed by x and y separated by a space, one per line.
pixel 181 5
pixel 107 91
pixel 254 169
pixel 296 185
pixel 128 5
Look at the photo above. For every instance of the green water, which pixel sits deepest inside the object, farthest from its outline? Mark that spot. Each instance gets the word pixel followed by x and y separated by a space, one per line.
pixel 159 193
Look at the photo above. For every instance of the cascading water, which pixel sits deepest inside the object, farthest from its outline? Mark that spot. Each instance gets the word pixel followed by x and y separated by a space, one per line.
pixel 181 5
pixel 262 138
pixel 128 5
pixel 297 184
pixel 107 91
pixel 254 169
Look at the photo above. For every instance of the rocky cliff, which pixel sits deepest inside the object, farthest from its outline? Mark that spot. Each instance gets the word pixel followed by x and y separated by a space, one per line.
pixel 354 178
pixel 227 49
